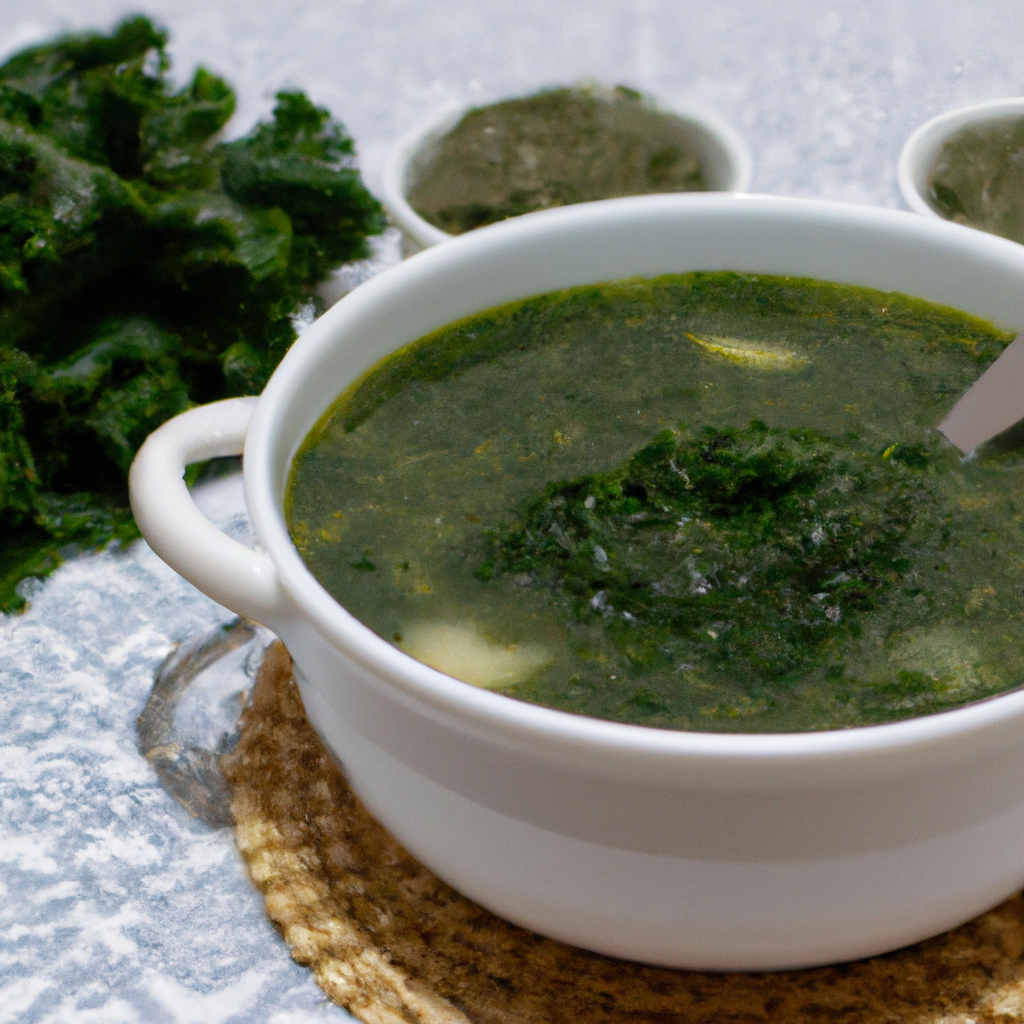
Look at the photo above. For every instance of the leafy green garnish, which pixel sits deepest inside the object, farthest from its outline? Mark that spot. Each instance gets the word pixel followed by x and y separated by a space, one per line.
pixel 945 200
pixel 757 549
pixel 144 267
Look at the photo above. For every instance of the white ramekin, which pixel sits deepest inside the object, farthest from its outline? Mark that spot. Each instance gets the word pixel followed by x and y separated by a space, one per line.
pixel 721 149
pixel 920 150
pixel 689 849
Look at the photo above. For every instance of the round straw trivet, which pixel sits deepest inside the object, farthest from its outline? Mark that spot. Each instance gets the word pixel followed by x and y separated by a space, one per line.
pixel 392 943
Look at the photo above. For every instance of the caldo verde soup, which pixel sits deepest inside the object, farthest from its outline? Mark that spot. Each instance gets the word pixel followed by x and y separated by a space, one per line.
pixel 554 148
pixel 977 177
pixel 708 502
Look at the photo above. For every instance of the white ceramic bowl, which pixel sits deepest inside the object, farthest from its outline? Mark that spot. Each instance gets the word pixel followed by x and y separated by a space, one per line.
pixel 720 148
pixel 920 150
pixel 688 849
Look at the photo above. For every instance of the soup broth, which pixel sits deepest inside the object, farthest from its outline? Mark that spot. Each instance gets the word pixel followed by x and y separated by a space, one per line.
pixel 708 501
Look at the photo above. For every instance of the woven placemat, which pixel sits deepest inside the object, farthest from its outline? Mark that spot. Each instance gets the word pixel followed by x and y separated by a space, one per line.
pixel 392 943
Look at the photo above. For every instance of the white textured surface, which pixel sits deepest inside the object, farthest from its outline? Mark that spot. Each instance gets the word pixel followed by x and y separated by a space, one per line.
pixel 115 906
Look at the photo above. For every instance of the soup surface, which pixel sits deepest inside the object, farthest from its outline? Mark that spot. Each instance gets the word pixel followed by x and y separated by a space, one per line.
pixel 978 178
pixel 708 502
pixel 555 148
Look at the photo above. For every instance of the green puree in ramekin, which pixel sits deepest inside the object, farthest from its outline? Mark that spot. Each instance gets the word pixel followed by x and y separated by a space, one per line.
pixel 977 177
pixel 555 148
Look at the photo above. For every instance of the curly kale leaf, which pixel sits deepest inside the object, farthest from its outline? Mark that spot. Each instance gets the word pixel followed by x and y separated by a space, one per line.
pixel 92 92
pixel 302 163
pixel 758 548
pixel 19 480
pixel 144 267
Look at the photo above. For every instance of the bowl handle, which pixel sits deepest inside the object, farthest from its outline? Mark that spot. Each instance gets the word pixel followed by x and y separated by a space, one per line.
pixel 232 574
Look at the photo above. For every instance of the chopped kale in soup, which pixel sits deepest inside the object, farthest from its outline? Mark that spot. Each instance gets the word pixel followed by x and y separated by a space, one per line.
pixel 708 501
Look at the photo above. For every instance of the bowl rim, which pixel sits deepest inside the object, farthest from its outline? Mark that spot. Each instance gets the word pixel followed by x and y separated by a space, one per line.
pixel 918 153
pixel 437 124
pixel 721 759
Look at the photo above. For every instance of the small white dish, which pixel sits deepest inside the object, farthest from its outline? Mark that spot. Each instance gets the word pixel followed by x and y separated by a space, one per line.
pixel 721 150
pixel 701 850
pixel 920 150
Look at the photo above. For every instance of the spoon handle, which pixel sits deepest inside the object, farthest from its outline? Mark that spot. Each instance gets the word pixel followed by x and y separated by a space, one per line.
pixel 992 404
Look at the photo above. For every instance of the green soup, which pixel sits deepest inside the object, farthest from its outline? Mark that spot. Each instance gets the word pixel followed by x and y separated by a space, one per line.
pixel 977 178
pixel 554 148
pixel 708 502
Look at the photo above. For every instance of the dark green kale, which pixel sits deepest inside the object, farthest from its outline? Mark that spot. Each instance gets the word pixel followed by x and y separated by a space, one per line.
pixel 757 549
pixel 144 267
pixel 946 201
